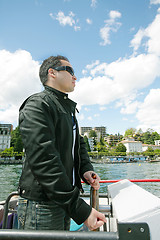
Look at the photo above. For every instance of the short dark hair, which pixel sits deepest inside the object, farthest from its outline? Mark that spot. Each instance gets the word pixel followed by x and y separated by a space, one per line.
pixel 53 61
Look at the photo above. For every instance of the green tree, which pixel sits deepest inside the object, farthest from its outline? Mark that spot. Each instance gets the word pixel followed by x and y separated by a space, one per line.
pixel 154 136
pixel 16 140
pixel 138 135
pixel 130 132
pixel 120 148
pixel 149 152
pixel 8 152
pixel 93 134
pixel 101 146
pixel 157 152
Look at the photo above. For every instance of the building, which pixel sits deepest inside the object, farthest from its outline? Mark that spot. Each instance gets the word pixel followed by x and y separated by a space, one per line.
pixel 5 136
pixel 91 143
pixel 84 130
pixel 146 146
pixel 112 140
pixel 132 146
pixel 102 131
pixel 90 140
pixel 157 142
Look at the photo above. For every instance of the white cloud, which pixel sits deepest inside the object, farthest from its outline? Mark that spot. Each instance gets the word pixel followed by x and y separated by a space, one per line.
pixel 136 41
pixel 96 115
pixel 86 109
pixel 149 111
pixel 114 14
pixel 119 80
pixel 89 21
pixel 84 71
pixel 93 3
pixel 151 37
pixel 125 119
pixel 19 79
pixel 90 66
pixel 111 25
pixel 123 80
pixel 90 118
pixel 66 20
pixel 154 1
pixel 77 28
pixel 102 108
pixel 99 69
pixel 130 107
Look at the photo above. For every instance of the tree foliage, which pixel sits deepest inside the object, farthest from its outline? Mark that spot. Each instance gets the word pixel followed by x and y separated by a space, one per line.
pixel 92 134
pixel 101 146
pixel 16 140
pixel 147 137
pixel 9 152
pixel 121 148
pixel 130 132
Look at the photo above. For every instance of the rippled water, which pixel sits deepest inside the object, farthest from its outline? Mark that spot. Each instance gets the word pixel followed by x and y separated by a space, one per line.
pixel 130 171
pixel 9 175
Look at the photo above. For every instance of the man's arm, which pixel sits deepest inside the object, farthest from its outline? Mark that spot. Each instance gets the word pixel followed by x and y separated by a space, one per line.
pixel 95 219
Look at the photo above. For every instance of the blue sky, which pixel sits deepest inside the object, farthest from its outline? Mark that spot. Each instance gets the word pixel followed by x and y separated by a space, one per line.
pixel 114 47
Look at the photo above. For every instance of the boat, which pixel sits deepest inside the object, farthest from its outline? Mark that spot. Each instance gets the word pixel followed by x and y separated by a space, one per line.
pixel 131 212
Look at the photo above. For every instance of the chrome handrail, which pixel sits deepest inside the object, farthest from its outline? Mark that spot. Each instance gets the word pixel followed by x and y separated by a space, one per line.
pixel 6 209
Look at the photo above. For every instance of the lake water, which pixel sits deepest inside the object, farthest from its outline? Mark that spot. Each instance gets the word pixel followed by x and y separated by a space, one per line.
pixel 9 175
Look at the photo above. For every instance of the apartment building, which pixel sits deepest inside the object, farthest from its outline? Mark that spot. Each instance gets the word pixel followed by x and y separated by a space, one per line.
pixel 102 131
pixel 132 146
pixel 5 136
pixel 84 130
pixel 146 146
pixel 157 142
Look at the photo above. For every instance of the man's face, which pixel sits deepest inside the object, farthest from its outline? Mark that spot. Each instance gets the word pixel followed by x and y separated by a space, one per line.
pixel 64 81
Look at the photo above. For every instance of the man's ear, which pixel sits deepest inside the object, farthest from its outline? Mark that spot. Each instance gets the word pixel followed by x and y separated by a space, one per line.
pixel 51 72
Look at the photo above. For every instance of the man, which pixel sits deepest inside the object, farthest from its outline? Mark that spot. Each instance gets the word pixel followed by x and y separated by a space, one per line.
pixel 56 156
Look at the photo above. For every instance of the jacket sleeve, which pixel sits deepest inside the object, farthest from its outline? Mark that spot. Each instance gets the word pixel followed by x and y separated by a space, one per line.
pixel 37 125
pixel 85 161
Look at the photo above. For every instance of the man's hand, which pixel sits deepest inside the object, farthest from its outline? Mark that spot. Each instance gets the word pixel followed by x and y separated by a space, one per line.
pixel 93 179
pixel 95 220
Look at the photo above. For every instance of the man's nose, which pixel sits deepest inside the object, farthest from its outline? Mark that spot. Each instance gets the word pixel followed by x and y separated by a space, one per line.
pixel 74 77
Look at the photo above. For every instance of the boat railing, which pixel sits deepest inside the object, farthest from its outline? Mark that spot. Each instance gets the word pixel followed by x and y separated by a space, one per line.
pixel 57 235
pixel 131 180
pixel 7 210
pixel 112 230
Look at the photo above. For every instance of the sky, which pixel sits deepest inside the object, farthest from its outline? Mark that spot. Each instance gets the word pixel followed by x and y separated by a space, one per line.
pixel 113 46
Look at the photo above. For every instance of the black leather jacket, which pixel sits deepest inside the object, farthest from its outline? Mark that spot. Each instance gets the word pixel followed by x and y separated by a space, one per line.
pixel 46 127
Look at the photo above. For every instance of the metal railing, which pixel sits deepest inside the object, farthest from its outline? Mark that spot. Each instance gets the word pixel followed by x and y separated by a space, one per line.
pixel 112 231
pixel 6 209
pixel 126 231
pixel 131 180
pixel 56 235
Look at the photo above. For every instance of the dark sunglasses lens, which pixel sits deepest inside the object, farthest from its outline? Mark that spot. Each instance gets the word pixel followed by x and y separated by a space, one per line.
pixel 70 70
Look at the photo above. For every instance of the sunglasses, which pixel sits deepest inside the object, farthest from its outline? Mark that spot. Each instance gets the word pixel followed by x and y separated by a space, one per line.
pixel 65 68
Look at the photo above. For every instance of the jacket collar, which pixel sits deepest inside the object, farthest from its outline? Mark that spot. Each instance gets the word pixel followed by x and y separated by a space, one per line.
pixel 63 96
pixel 57 93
